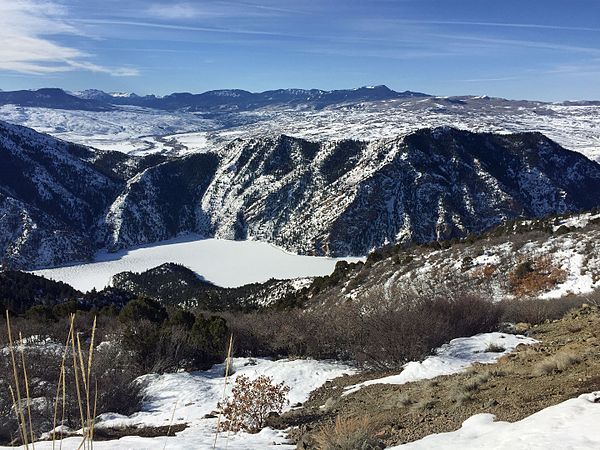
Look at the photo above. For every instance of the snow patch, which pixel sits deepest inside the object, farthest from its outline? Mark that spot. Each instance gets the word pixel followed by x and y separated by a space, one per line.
pixel 451 358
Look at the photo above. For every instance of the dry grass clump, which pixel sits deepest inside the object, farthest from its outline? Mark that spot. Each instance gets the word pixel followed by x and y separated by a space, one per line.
pixel 348 433
pixel 404 400
pixel 556 363
pixel 574 327
pixel 461 397
pixel 495 372
pixel 424 404
pixel 495 348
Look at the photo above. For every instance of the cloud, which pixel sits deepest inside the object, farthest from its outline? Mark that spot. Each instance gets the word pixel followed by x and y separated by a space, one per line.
pixel 26 29
pixel 177 27
pixel 212 10
pixel 534 26
pixel 177 11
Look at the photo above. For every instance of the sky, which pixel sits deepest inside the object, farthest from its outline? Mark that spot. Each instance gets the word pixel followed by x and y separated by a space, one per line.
pixel 520 49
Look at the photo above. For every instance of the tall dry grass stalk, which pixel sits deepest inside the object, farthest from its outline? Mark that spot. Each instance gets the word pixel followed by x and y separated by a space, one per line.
pixel 170 423
pixel 81 371
pixel 227 367
pixel 26 381
pixel 17 402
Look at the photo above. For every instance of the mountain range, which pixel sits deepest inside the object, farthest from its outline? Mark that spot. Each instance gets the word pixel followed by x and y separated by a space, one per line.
pixel 226 100
pixel 60 202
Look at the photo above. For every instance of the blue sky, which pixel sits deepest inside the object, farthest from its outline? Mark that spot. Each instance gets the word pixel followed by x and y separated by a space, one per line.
pixel 535 49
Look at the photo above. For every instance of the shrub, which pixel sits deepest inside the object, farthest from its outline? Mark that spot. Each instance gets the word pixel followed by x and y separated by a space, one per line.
pixel 536 311
pixel 181 318
pixel 532 277
pixel 347 433
pixel 252 402
pixel 495 348
pixel 556 363
pixel 143 309
pixel 376 333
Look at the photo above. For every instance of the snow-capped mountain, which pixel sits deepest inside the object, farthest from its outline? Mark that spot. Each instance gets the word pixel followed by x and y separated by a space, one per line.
pixel 61 201
pixel 240 100
pixel 217 101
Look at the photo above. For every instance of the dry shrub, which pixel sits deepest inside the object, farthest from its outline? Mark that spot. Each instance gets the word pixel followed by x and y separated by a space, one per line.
pixel 251 403
pixel 536 311
pixel 495 348
pixel 556 363
pixel 529 278
pixel 484 272
pixel 404 400
pixel 348 433
pixel 375 332
pixel 424 405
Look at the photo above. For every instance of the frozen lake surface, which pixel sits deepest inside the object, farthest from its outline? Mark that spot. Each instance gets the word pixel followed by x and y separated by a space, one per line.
pixel 222 262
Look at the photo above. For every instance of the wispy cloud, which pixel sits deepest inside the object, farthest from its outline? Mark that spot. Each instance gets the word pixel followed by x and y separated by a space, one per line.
pixel 486 80
pixel 519 43
pixel 178 27
pixel 28 32
pixel 534 26
pixel 210 10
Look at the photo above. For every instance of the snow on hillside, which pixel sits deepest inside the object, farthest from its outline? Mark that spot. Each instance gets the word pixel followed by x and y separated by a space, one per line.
pixel 568 262
pixel 127 129
pixel 188 397
pixel 142 130
pixel 572 424
pixel 453 357
pixel 222 262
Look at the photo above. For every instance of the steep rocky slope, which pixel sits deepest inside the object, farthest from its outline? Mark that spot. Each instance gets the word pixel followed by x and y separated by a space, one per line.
pixel 60 202
pixel 349 197
pixel 50 196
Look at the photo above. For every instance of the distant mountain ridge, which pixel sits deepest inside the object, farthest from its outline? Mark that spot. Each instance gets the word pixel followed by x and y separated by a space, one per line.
pixel 217 100
pixel 60 202
pixel 51 98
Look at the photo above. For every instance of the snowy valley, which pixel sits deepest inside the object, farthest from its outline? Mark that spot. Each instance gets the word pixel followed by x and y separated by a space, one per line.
pixel 420 272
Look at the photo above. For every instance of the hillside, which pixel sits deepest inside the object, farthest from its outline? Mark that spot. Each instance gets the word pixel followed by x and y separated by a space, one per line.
pixel 562 365
pixel 319 198
pixel 548 258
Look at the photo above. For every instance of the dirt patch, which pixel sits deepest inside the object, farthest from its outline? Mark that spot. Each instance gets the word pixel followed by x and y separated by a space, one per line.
pixel 565 364
pixel 108 434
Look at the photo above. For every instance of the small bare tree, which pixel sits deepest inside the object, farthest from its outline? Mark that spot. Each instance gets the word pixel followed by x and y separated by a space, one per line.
pixel 251 402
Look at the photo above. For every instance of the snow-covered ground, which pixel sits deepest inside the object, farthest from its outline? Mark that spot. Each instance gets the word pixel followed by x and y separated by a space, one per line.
pixel 571 425
pixel 453 357
pixel 222 262
pixel 142 130
pixel 127 129
pixel 188 397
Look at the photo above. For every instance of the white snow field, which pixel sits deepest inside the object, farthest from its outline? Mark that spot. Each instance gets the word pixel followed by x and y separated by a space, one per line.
pixel 193 395
pixel 222 262
pixel 143 130
pixel 453 357
pixel 571 425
